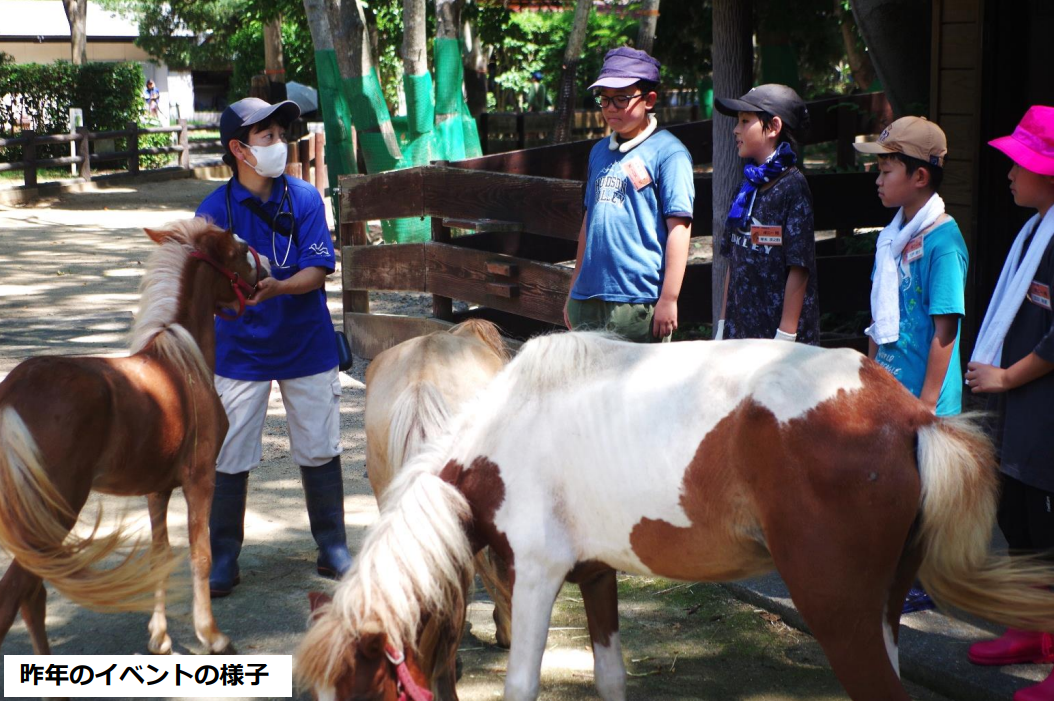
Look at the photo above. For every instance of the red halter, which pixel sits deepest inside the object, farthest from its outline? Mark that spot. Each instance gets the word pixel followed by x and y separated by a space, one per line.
pixel 408 689
pixel 241 288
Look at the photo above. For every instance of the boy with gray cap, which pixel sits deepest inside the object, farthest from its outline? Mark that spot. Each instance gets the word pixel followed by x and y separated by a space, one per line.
pixel 770 285
pixel 285 335
pixel 639 195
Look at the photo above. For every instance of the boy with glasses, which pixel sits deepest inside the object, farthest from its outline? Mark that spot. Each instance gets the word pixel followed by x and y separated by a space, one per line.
pixel 639 195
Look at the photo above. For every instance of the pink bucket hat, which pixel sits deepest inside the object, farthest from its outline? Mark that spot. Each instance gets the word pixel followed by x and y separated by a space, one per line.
pixel 1031 145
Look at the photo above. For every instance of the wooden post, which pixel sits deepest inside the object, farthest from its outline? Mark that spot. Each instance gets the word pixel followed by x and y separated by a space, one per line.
pixel 321 176
pixel 846 153
pixel 29 157
pixel 292 161
pixel 442 307
pixel 133 148
pixel 84 151
pixel 354 234
pixel 521 134
pixel 304 146
pixel 184 143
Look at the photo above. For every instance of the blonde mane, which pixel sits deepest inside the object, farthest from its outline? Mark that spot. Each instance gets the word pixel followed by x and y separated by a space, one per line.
pixel 416 560
pixel 159 299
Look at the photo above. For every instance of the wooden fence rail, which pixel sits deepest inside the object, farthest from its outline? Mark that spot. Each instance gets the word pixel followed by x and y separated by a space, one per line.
pixel 523 211
pixel 304 153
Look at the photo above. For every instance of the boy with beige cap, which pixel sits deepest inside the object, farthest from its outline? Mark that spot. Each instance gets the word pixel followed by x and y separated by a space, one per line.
pixel 918 286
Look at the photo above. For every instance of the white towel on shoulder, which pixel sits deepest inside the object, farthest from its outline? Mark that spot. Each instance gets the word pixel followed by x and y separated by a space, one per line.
pixel 885 288
pixel 1012 287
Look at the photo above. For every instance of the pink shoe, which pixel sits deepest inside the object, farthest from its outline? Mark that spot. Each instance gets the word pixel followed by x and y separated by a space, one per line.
pixel 1044 691
pixel 1014 647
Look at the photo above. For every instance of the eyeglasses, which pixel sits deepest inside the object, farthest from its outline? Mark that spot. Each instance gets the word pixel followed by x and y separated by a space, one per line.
pixel 621 102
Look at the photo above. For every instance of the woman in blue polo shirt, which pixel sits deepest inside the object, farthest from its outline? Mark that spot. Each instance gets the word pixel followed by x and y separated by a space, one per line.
pixel 286 335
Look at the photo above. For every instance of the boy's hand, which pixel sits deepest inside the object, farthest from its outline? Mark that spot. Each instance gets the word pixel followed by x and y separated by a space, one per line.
pixel 664 321
pixel 265 289
pixel 986 379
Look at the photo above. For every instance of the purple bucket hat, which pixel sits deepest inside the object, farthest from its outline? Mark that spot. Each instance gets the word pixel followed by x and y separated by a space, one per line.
pixel 1031 145
pixel 624 67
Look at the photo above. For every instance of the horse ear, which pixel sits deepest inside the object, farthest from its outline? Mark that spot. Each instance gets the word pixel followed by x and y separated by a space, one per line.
pixel 372 642
pixel 318 599
pixel 158 235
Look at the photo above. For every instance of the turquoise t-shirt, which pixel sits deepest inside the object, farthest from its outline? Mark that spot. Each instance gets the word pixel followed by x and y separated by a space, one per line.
pixel 935 284
pixel 628 198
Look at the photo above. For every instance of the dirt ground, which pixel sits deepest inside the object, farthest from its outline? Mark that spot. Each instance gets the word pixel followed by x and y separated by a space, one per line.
pixel 69 271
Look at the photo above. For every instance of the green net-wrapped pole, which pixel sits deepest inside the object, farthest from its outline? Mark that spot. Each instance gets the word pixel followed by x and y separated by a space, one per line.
pixel 340 148
pixel 454 123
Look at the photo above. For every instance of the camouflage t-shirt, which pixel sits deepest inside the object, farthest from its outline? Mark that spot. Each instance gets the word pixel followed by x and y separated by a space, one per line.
pixel 781 235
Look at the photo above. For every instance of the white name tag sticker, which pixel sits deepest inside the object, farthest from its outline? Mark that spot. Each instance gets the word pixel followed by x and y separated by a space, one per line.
pixel 914 250
pixel 1039 294
pixel 637 172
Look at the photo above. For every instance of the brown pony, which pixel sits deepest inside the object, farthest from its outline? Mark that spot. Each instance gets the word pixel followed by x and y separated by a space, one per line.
pixel 702 461
pixel 412 392
pixel 140 425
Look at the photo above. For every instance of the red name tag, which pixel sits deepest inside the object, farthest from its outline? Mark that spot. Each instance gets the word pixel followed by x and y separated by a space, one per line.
pixel 1039 294
pixel 766 235
pixel 914 250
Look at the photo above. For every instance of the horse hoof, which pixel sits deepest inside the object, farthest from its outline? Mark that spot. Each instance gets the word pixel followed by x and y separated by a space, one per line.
pixel 164 647
pixel 223 646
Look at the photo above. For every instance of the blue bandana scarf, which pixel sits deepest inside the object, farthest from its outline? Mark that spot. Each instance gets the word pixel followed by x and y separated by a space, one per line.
pixel 754 176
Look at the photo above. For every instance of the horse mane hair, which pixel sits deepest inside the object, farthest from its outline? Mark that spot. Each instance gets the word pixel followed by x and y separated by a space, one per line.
pixel 416 560
pixel 159 299
pixel 485 331
pixel 560 360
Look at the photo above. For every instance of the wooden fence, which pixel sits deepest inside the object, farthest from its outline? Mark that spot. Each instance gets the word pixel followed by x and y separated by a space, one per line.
pixel 524 210
pixel 306 151
pixel 508 131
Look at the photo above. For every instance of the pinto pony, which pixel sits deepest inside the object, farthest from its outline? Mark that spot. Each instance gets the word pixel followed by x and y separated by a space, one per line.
pixel 413 391
pixel 140 425
pixel 695 461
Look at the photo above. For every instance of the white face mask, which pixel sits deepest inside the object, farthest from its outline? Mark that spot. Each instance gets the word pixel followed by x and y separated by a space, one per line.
pixel 270 160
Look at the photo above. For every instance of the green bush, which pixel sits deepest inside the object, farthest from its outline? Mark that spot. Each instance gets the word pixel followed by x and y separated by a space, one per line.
pixel 42 94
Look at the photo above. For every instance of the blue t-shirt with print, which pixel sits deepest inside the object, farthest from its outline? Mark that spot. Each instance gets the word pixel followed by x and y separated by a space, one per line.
pixel 289 335
pixel 935 283
pixel 628 198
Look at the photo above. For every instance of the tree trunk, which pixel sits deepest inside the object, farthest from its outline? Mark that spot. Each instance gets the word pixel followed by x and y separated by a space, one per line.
pixel 456 129
pixel 475 59
pixel 415 39
pixel 274 64
pixel 733 56
pixel 77 15
pixel 565 99
pixel 340 142
pixel 859 60
pixel 369 112
pixel 897 34
pixel 649 18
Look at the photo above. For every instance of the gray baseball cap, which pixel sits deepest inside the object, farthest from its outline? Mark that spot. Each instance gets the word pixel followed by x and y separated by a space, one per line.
pixel 778 100
pixel 253 110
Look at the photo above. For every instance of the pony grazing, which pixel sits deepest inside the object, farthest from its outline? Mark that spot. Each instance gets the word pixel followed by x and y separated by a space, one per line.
pixel 140 425
pixel 412 392
pixel 695 461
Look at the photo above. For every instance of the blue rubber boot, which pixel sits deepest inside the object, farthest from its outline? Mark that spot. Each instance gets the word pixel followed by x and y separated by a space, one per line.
pixel 226 530
pixel 324 493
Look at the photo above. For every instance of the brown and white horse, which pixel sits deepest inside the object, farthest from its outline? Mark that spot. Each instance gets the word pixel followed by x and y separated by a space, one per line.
pixel 413 390
pixel 140 425
pixel 695 461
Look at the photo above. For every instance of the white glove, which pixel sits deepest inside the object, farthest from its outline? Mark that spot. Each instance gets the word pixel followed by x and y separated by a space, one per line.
pixel 719 332
pixel 782 335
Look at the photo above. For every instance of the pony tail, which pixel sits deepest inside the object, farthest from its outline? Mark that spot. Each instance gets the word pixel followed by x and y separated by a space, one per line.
pixel 35 523
pixel 419 414
pixel 959 494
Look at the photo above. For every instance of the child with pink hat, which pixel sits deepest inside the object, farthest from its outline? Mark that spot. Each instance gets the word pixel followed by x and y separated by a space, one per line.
pixel 1013 361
